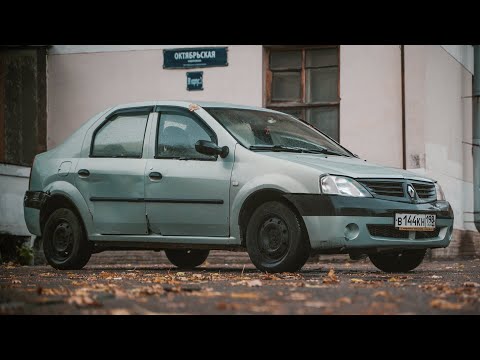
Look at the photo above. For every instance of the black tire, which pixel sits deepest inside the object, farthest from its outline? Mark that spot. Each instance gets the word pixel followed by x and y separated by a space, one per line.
pixel 403 261
pixel 65 243
pixel 276 239
pixel 187 259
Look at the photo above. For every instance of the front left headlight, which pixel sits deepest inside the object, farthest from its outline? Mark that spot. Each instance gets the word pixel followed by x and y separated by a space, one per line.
pixel 339 185
pixel 439 191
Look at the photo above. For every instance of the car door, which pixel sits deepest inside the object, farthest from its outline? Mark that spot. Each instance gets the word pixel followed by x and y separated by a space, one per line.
pixel 186 193
pixel 111 177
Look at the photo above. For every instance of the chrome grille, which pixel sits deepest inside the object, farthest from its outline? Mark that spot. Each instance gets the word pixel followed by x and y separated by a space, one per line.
pixel 384 187
pixel 393 189
pixel 424 190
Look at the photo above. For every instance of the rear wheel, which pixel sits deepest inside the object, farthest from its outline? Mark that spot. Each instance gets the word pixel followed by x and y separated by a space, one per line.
pixel 187 259
pixel 276 241
pixel 402 261
pixel 65 244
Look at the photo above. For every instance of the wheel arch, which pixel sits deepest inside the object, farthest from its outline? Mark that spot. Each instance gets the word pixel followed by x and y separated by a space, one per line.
pixel 64 194
pixel 259 197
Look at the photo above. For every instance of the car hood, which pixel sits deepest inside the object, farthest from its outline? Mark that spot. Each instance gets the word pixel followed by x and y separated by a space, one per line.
pixel 352 167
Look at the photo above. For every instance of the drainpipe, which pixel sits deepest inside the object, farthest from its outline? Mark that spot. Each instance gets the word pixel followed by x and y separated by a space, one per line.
pixel 476 135
pixel 404 136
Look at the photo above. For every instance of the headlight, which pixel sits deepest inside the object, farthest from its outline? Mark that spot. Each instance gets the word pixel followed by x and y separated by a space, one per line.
pixel 339 185
pixel 439 191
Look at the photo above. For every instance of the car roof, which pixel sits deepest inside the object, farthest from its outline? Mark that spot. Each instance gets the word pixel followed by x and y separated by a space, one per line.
pixel 186 104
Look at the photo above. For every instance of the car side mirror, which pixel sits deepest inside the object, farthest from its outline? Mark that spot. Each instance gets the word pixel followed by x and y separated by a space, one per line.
pixel 210 148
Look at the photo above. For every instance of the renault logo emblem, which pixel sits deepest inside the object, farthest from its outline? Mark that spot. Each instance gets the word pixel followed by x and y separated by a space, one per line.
pixel 411 191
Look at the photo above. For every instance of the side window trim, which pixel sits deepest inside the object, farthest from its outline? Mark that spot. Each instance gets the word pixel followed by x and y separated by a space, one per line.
pixel 165 109
pixel 144 110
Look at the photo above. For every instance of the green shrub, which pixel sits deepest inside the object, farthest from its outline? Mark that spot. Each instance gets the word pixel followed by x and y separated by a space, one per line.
pixel 25 255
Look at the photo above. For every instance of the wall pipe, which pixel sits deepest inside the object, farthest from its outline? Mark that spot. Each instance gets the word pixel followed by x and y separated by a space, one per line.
pixel 476 135
pixel 404 135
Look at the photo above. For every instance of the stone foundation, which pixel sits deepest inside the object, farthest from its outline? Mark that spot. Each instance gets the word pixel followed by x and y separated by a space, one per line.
pixel 464 244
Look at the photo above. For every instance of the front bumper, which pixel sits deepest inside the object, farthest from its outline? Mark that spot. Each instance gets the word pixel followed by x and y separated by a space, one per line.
pixel 346 224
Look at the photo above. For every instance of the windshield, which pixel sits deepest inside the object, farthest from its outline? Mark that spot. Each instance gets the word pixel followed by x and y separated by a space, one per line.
pixel 263 130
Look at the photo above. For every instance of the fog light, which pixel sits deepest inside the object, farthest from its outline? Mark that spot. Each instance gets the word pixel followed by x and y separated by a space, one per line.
pixel 351 231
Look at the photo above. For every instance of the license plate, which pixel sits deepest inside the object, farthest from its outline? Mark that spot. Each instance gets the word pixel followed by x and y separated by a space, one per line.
pixel 415 222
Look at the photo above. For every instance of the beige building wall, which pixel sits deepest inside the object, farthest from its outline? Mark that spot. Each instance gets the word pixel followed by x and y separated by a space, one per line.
pixel 370 105
pixel 439 124
pixel 83 84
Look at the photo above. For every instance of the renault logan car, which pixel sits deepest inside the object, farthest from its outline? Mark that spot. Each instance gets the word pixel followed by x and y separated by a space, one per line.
pixel 189 178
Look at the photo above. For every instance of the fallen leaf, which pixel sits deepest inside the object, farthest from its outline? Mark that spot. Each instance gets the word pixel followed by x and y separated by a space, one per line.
pixel 471 284
pixel 47 274
pixel 228 306
pixel 298 296
pixel 382 293
pixel 344 300
pixel 208 292
pixel 149 290
pixel 106 275
pixel 316 304
pixel 331 278
pixel 83 301
pixel 357 281
pixel 394 279
pixel 245 295
pixel 315 286
pixel 52 292
pixel 119 312
pixel 270 277
pixel 254 283
pixel 383 308
pixel 295 284
pixel 445 305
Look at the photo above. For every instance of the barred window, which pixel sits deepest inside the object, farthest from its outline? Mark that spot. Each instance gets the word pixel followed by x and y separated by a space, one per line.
pixel 304 82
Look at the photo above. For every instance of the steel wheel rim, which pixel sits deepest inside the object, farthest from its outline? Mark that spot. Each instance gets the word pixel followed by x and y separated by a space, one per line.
pixel 62 241
pixel 273 238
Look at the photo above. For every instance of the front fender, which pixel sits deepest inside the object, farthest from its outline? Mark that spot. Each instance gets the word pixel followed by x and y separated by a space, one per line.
pixel 280 182
pixel 71 192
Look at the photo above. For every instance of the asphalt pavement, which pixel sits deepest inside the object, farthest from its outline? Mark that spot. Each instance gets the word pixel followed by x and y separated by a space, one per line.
pixel 229 284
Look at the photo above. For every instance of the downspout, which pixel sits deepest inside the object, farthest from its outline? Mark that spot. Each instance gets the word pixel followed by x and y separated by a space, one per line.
pixel 404 135
pixel 476 135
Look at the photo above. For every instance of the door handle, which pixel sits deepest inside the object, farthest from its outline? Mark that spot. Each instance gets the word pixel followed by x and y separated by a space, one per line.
pixel 155 176
pixel 83 173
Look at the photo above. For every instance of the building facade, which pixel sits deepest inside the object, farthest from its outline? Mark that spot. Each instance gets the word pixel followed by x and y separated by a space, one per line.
pixel 401 106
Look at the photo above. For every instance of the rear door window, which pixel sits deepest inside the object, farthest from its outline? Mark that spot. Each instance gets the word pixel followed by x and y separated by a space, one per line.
pixel 121 136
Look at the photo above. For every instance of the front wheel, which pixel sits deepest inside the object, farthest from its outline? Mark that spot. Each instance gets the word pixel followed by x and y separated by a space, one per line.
pixel 276 240
pixel 65 243
pixel 187 259
pixel 403 261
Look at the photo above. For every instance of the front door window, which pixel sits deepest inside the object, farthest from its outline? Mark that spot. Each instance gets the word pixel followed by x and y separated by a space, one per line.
pixel 178 132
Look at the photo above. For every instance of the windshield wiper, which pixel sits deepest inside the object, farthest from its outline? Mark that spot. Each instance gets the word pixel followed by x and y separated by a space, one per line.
pixel 320 150
pixel 277 148
pixel 330 152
